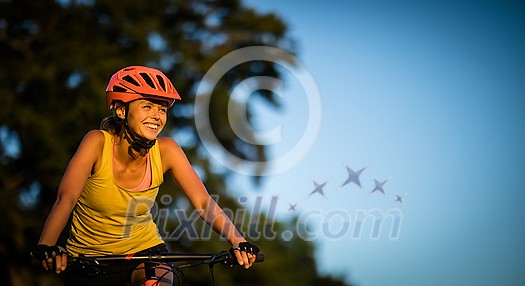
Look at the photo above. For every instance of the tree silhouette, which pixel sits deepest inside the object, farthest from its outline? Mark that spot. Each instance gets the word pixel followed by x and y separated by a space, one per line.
pixel 57 59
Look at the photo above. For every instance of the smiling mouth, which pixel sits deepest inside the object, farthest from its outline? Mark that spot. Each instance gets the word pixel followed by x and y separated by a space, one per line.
pixel 152 126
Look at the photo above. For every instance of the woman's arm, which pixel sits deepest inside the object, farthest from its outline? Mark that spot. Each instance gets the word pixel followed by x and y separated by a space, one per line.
pixel 69 190
pixel 174 160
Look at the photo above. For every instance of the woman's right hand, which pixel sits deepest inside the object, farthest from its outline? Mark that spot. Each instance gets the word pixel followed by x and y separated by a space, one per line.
pixel 51 257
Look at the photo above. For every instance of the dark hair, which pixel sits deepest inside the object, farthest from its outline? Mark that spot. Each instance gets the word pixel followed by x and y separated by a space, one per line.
pixel 114 124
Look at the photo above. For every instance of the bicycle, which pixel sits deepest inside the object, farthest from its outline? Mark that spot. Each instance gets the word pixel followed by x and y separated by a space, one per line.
pixel 94 264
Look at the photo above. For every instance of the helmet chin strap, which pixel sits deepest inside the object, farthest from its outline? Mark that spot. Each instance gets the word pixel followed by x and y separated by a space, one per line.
pixel 138 143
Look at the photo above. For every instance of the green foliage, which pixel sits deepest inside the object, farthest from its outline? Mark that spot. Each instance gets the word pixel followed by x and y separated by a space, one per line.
pixel 57 59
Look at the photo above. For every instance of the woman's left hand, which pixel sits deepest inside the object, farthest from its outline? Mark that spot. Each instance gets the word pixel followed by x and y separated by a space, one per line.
pixel 245 253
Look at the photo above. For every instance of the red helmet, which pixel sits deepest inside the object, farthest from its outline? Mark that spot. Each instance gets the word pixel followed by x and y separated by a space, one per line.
pixel 136 82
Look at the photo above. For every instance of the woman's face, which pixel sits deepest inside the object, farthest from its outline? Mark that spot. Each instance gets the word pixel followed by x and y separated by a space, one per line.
pixel 147 118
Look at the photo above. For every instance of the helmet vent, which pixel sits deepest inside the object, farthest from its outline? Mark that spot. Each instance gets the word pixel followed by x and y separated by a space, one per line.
pixel 131 80
pixel 119 89
pixel 161 81
pixel 148 80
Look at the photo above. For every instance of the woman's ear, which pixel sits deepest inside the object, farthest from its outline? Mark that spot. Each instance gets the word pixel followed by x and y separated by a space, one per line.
pixel 120 111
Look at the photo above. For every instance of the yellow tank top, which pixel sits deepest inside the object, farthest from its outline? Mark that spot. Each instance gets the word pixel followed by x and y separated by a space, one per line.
pixel 109 219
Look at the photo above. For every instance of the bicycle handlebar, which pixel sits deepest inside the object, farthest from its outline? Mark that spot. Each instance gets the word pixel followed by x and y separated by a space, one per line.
pixel 223 257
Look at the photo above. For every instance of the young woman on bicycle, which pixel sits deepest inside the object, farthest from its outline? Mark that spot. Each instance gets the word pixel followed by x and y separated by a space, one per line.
pixel 112 181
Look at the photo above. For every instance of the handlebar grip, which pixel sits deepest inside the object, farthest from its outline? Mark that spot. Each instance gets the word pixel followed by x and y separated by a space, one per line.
pixel 258 258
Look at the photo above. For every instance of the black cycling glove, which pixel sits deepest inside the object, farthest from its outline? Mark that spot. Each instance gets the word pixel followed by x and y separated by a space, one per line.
pixel 42 252
pixel 246 247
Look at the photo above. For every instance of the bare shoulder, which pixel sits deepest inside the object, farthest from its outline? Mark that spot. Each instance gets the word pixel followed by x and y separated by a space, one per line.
pixel 168 146
pixel 84 162
pixel 88 155
pixel 91 147
pixel 94 138
pixel 171 153
pixel 95 134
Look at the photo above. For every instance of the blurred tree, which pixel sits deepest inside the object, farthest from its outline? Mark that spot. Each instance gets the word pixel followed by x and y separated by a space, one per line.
pixel 57 58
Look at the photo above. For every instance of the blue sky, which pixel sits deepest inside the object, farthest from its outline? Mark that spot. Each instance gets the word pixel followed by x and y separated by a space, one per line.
pixel 427 94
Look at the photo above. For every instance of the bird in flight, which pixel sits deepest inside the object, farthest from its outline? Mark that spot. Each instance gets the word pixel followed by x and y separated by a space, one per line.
pixel 292 207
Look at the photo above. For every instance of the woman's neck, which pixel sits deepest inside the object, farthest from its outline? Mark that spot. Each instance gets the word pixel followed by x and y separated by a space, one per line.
pixel 126 154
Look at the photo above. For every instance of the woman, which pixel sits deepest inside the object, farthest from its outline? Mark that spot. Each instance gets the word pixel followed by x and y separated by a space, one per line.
pixel 112 180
